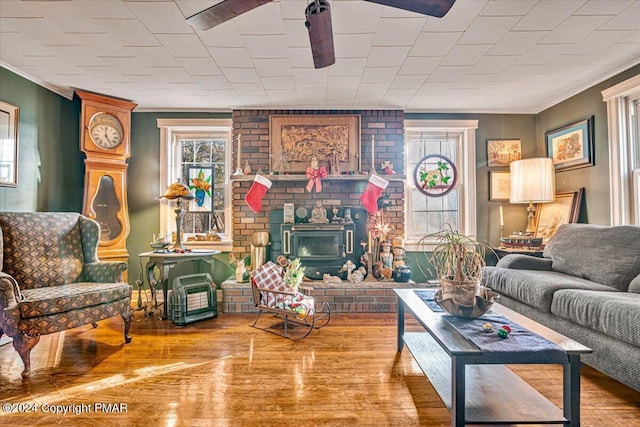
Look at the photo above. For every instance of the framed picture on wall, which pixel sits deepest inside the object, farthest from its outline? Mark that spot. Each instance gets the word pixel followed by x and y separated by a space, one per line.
pixel 564 210
pixel 571 146
pixel 501 152
pixel 499 186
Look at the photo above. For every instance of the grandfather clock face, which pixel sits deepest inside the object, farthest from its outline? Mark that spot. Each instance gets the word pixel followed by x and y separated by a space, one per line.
pixel 105 140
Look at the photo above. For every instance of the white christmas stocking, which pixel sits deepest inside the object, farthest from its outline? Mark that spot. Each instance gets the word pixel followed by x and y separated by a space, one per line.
pixel 257 191
pixel 373 191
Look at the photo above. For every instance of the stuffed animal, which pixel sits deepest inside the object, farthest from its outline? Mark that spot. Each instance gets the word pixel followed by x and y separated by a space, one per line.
pixel 241 268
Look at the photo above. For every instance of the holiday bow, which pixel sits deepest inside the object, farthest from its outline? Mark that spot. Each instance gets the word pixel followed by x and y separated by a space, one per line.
pixel 315 176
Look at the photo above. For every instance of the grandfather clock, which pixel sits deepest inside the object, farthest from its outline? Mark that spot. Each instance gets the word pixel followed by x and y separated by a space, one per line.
pixel 105 127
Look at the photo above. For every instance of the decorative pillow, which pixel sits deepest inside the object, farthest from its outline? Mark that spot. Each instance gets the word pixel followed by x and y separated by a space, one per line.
pixel 634 286
pixel 603 254
pixel 269 276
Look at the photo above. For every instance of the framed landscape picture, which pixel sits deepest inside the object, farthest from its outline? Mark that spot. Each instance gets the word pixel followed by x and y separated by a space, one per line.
pixel 571 146
pixel 499 186
pixel 501 152
pixel 564 210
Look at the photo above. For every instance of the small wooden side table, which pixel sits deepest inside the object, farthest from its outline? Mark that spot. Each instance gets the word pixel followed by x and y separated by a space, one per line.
pixel 502 251
pixel 165 261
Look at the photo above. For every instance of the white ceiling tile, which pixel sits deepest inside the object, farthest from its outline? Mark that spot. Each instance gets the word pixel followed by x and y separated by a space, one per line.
pixel 517 42
pixel 343 82
pixel 434 88
pixel 434 44
pixel 297 33
pixel 626 20
pixel 20 44
pixel 460 16
pixel 78 55
pixel 412 81
pixel 386 56
pixel 301 57
pixel 348 67
pixel 200 66
pixel 241 75
pixel 631 37
pixel 183 45
pixel 151 56
pixel 266 46
pixel 488 29
pixel 311 90
pixel 574 28
pixel 541 54
pixel 231 56
pixel 266 19
pixel 398 32
pixel 472 81
pixel 191 7
pixel 293 9
pixel 248 89
pixel 127 32
pixel 492 64
pixel 172 74
pixel 104 9
pixel 420 64
pixel 465 54
pixel 344 96
pixel 507 7
pixel 603 7
pixel 38 29
pixel 596 42
pixel 160 17
pixel 278 83
pixel 399 97
pixel 56 65
pixel 281 96
pixel 20 9
pixel 547 15
pixel 13 58
pixel 224 35
pixel 379 74
pixel 357 17
pixel 352 45
pixel 273 67
pixel 253 101
pixel 448 74
pixel 310 76
pixel 212 82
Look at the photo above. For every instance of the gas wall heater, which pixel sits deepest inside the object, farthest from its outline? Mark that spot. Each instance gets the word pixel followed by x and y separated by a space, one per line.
pixel 193 298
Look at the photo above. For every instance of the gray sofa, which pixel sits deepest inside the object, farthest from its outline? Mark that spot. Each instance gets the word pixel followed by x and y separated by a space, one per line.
pixel 587 287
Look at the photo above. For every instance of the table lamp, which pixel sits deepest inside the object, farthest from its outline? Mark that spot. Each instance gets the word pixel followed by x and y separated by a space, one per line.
pixel 532 181
pixel 178 192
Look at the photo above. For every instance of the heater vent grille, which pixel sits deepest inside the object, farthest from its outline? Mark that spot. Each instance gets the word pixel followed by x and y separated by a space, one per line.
pixel 193 298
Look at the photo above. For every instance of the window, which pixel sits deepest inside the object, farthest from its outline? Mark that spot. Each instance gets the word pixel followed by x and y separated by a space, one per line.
pixel 454 139
pixel 623 111
pixel 196 151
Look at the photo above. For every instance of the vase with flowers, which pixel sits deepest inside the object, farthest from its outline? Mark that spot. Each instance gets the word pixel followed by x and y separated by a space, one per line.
pixel 293 272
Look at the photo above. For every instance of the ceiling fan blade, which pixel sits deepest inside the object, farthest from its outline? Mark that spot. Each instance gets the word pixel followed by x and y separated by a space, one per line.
pixel 222 12
pixel 318 22
pixel 437 8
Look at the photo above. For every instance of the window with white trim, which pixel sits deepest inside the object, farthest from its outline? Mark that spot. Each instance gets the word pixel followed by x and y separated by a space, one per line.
pixel 197 153
pixel 454 139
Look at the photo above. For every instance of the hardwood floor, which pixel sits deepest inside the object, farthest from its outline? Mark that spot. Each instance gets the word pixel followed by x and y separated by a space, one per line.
pixel 221 372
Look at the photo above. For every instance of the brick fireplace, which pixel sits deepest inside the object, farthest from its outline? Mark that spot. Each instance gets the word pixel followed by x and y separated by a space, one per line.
pixel 388 129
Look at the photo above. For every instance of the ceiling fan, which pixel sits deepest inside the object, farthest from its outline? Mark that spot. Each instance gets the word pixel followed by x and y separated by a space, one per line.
pixel 318 19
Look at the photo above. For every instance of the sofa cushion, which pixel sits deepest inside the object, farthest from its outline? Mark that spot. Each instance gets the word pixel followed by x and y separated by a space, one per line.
pixel 616 314
pixel 534 288
pixel 634 286
pixel 41 249
pixel 606 255
pixel 59 299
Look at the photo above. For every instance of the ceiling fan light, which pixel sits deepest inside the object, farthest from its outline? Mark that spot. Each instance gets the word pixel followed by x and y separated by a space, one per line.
pixel 318 22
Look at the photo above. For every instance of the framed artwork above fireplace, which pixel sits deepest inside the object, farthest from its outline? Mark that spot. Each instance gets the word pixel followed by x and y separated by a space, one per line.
pixel 297 138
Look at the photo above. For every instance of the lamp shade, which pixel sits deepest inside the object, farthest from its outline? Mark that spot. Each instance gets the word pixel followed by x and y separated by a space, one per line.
pixel 532 180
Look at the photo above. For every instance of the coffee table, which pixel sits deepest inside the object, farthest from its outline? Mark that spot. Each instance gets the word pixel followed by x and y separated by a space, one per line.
pixel 475 391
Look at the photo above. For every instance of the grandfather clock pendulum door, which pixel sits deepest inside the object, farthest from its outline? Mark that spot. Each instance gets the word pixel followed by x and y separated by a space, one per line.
pixel 105 130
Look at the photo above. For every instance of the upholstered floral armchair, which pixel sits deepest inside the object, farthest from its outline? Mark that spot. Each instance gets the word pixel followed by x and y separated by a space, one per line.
pixel 51 279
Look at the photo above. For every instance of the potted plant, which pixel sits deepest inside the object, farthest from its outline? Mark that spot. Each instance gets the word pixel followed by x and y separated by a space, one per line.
pixel 456 261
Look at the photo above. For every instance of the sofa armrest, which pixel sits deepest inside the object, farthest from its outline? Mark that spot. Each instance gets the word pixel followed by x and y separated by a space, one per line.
pixel 105 271
pixel 10 294
pixel 524 262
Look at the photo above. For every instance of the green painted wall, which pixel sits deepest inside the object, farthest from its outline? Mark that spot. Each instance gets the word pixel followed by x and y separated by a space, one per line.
pixel 50 164
pixel 595 179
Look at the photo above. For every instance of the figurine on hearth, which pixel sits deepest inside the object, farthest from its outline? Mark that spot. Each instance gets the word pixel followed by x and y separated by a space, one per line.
pixel 241 268
pixel 319 214
pixel 387 168
pixel 399 252
pixel 385 263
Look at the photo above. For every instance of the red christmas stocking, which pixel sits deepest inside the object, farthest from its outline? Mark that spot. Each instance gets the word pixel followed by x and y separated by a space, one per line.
pixel 256 192
pixel 373 191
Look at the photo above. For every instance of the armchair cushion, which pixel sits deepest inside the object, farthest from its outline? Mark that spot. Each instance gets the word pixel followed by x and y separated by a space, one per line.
pixel 61 299
pixel 104 271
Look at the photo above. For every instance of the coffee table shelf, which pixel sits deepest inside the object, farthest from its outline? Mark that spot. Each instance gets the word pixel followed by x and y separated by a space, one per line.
pixel 493 393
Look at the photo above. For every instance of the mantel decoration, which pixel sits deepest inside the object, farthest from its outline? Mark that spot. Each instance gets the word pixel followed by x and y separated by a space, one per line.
pixel 456 261
pixel 178 192
pixel 435 175
pixel 333 139
pixel 315 174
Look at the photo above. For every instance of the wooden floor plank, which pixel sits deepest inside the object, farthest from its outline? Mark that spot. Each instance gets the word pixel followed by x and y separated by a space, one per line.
pixel 221 372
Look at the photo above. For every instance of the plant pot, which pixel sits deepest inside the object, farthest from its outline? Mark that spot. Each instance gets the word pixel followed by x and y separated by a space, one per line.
pixel 467 299
pixel 463 293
